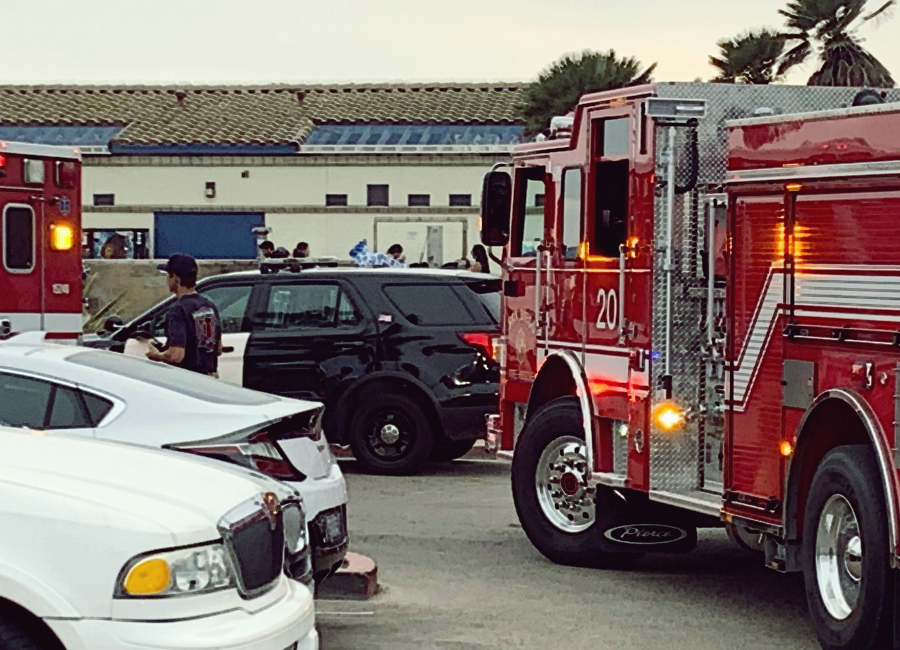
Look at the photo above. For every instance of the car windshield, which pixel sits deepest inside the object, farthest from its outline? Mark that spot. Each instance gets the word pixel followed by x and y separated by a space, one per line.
pixel 167 377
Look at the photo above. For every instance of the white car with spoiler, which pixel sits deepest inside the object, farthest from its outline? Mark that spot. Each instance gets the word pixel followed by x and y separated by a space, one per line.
pixel 109 546
pixel 124 399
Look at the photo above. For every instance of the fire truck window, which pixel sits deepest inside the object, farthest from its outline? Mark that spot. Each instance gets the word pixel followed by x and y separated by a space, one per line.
pixel 529 226
pixel 18 238
pixel 23 401
pixel 611 208
pixel 615 137
pixel 571 234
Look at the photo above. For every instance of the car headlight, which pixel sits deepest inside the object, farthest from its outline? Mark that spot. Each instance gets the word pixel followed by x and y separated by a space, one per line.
pixel 295 541
pixel 182 572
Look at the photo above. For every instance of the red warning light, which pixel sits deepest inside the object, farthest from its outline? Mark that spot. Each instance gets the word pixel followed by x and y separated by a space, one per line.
pixel 2 165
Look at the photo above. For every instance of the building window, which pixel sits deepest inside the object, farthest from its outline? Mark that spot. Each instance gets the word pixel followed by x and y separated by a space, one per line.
pixel 333 200
pixel 377 195
pixel 539 200
pixel 460 200
pixel 419 200
pixel 104 199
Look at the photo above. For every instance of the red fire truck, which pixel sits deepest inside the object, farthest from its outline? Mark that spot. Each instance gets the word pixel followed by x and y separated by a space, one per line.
pixel 702 328
pixel 40 235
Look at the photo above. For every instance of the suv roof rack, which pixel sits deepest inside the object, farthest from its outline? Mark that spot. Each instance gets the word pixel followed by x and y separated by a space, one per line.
pixel 296 264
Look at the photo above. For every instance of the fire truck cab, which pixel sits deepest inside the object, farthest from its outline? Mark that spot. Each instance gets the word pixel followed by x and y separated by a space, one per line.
pixel 701 327
pixel 40 235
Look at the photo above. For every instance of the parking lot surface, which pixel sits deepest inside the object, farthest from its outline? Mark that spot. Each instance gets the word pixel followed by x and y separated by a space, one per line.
pixel 457 572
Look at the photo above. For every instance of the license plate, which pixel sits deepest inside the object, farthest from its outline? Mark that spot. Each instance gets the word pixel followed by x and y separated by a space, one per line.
pixel 334 527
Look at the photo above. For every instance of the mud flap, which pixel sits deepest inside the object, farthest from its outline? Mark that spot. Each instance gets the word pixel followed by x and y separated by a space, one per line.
pixel 637 525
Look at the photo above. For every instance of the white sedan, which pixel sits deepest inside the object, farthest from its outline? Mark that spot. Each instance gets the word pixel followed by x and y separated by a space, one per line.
pixel 114 547
pixel 115 397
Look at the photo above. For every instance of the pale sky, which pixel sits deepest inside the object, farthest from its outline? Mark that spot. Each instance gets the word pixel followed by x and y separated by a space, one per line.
pixel 293 41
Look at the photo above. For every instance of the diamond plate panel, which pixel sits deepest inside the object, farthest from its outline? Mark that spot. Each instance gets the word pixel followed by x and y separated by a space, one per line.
pixel 677 459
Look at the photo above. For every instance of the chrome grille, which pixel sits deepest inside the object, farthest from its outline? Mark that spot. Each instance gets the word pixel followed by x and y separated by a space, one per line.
pixel 254 536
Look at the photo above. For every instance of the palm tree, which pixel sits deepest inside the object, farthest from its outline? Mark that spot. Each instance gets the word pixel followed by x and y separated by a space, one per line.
pixel 751 58
pixel 557 89
pixel 833 25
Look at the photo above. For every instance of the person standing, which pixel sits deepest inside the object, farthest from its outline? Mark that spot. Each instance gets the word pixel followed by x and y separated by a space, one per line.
pixel 481 265
pixel 193 326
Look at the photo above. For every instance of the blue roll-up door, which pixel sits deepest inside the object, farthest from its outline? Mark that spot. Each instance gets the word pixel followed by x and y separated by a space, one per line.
pixel 207 235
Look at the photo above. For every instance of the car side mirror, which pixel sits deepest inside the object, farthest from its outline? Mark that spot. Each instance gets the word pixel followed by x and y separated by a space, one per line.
pixel 496 199
pixel 113 324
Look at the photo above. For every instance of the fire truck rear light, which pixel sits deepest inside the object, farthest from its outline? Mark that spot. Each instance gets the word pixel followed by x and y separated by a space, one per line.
pixel 2 165
pixel 668 417
pixel 793 187
pixel 62 237
pixel 787 448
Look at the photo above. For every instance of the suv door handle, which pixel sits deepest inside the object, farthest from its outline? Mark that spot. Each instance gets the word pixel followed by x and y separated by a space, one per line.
pixel 229 348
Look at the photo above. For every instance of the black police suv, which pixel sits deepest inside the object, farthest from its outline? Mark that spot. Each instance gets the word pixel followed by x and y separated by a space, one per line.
pixel 402 358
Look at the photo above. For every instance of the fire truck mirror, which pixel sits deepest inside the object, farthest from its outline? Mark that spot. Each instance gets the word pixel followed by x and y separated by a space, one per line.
pixel 496 199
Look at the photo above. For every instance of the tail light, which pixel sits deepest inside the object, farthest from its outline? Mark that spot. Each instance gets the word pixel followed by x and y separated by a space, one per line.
pixel 485 343
pixel 258 449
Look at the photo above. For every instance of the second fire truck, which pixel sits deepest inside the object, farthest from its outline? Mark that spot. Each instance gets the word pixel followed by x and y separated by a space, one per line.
pixel 40 240
pixel 702 328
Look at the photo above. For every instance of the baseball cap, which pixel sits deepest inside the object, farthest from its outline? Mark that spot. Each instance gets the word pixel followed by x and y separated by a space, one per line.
pixel 179 265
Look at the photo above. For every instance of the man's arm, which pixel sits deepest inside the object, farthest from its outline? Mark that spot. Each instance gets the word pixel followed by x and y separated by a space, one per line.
pixel 176 338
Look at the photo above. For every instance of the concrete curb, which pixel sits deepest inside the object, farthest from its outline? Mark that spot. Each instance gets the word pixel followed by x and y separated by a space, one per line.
pixel 357 579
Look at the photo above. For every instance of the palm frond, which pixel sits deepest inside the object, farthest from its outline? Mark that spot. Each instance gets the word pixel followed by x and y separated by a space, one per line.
pixel 882 11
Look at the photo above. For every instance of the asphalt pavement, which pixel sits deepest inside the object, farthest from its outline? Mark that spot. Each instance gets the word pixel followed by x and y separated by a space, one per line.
pixel 458 573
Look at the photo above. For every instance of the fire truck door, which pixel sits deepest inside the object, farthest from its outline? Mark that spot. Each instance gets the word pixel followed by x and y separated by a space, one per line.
pixel 22 252
pixel 565 275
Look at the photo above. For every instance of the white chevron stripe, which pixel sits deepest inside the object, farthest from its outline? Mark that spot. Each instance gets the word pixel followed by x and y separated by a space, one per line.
pixel 871 296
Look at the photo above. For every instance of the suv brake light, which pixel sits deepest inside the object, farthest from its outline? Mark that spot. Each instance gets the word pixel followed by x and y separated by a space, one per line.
pixel 483 342
pixel 258 449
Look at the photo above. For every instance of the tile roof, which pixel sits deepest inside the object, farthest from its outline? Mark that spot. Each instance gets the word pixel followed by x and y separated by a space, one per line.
pixel 253 115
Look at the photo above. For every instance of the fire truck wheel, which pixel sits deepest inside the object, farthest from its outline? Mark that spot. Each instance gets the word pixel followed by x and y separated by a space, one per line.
pixel 845 553
pixel 554 505
pixel 390 434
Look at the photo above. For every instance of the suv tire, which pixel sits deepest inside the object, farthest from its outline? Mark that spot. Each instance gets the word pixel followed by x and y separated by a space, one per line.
pixel 451 450
pixel 390 434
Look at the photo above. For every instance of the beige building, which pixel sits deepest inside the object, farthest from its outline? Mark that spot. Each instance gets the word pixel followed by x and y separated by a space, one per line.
pixel 196 169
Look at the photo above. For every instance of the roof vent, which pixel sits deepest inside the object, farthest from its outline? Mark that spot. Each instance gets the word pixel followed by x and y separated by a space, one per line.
pixel 301 95
pixel 180 95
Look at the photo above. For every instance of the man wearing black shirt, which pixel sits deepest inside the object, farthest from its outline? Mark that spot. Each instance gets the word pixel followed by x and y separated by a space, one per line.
pixel 193 326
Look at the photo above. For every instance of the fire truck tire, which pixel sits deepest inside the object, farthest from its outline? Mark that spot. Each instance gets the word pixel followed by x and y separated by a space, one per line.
pixel 846 567
pixel 556 426
pixel 390 434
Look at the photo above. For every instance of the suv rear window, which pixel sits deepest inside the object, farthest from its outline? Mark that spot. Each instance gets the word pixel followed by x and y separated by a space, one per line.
pixel 429 305
pixel 488 294
pixel 176 380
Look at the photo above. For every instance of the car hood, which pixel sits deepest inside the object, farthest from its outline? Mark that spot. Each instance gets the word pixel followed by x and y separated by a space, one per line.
pixel 168 489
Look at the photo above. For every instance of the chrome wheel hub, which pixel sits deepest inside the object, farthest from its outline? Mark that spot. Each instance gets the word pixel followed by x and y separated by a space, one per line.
pixel 839 557
pixel 561 480
pixel 389 434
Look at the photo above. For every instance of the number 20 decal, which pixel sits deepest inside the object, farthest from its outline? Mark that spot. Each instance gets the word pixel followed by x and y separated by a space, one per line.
pixel 608 316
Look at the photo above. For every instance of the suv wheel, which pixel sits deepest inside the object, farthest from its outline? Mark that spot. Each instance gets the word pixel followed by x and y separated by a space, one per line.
pixel 390 434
